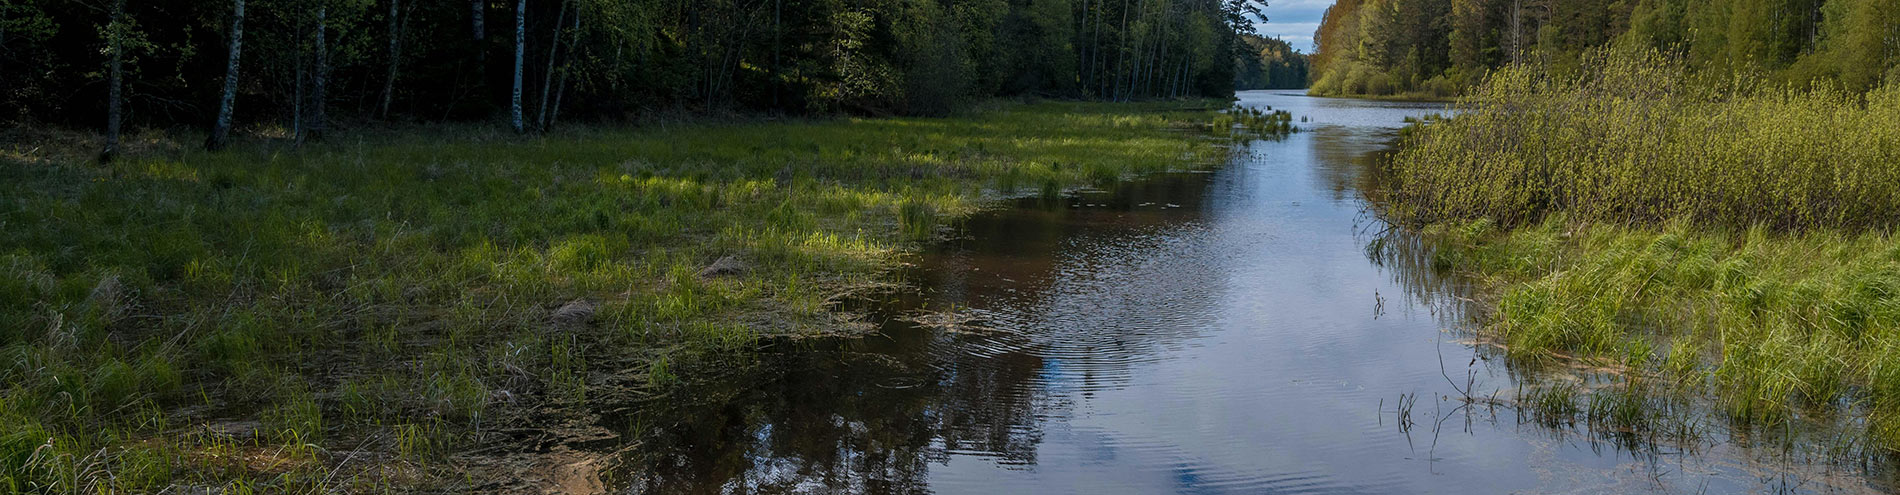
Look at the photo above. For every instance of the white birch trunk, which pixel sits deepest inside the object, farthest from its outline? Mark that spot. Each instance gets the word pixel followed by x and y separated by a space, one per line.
pixel 477 17
pixel 521 41
pixel 222 127
pixel 547 77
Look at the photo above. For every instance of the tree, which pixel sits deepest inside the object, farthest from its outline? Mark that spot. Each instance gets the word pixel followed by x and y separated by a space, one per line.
pixel 115 46
pixel 521 42
pixel 302 62
pixel 222 126
pixel 479 11
pixel 547 76
pixel 319 78
pixel 395 56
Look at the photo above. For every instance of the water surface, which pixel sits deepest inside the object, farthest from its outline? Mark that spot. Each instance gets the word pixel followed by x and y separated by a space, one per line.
pixel 1226 331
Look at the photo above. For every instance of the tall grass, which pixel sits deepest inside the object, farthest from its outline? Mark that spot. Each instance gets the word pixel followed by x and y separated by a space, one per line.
pixel 1635 137
pixel 1775 323
pixel 1704 229
pixel 342 294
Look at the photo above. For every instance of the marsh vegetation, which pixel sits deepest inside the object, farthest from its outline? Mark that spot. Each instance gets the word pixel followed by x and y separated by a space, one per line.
pixel 357 314
pixel 1719 232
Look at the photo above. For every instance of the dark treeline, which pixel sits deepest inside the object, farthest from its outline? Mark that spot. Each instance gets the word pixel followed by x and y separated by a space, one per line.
pixel 1439 47
pixel 292 68
pixel 1270 64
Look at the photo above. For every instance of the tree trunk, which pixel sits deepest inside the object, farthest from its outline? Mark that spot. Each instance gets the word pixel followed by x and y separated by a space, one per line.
pixel 1159 32
pixel 1082 47
pixel 560 88
pixel 778 13
pixel 477 17
pixel 297 99
pixel 1517 31
pixel 1096 59
pixel 222 127
pixel 1121 51
pixel 318 78
pixel 521 41
pixel 115 34
pixel 547 77
pixel 395 56
pixel 1140 57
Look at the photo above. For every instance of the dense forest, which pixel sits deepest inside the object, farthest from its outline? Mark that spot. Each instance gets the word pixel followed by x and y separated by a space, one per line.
pixel 1270 64
pixel 1439 47
pixel 292 68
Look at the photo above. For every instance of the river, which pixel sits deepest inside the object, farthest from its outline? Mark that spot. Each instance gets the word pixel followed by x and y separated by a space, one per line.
pixel 1223 331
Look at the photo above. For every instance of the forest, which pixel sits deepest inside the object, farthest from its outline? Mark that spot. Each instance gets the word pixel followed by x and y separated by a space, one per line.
pixel 292 69
pixel 390 246
pixel 1438 48
pixel 1272 64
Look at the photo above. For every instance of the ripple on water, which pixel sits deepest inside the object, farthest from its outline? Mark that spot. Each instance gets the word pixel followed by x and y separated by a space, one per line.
pixel 1187 333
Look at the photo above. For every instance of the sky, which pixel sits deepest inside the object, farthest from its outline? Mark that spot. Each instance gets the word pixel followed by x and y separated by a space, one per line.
pixel 1294 21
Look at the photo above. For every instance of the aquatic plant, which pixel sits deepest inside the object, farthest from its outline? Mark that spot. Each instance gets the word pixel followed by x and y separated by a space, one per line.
pixel 1775 321
pixel 1244 122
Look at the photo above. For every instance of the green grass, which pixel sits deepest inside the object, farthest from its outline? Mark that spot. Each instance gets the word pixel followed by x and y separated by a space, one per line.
pixel 1712 231
pixel 1774 323
pixel 393 291
pixel 1637 138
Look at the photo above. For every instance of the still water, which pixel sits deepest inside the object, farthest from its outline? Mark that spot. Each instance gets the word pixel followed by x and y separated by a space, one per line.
pixel 1227 331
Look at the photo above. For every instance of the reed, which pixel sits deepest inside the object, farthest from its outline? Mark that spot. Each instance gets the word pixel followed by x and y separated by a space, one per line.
pixel 1707 229
pixel 1635 137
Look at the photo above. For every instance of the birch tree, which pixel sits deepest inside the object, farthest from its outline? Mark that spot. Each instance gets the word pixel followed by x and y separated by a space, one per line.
pixel 115 68
pixel 521 42
pixel 228 98
pixel 477 16
pixel 547 77
pixel 395 56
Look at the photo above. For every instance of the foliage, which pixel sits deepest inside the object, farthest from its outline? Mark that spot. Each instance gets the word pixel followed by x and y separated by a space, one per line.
pixel 610 59
pixel 1437 48
pixel 1272 65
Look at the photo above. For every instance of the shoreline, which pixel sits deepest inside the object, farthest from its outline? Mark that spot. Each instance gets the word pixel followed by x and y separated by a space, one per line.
pixel 395 301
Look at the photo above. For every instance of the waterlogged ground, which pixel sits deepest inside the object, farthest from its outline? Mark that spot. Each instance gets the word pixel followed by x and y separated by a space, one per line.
pixel 1219 332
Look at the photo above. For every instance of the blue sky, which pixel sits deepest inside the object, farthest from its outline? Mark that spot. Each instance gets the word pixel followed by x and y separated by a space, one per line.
pixel 1294 21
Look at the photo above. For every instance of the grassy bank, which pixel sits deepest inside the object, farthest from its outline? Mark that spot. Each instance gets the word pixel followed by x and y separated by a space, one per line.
pixel 1725 235
pixel 1636 138
pixel 352 314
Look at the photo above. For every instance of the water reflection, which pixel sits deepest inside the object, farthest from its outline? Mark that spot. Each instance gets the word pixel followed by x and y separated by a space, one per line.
pixel 1246 330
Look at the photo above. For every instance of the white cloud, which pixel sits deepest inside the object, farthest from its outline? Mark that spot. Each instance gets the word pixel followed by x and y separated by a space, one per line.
pixel 1294 21
pixel 1300 34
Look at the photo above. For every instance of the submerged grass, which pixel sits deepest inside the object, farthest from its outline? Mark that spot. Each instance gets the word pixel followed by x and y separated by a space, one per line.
pixel 1775 322
pixel 391 293
pixel 1716 233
